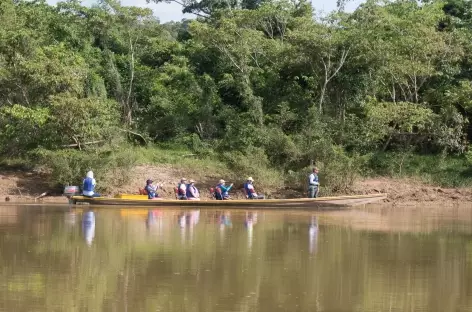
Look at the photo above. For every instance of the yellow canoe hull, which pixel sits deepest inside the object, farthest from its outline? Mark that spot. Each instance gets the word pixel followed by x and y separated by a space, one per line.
pixel 132 196
pixel 304 203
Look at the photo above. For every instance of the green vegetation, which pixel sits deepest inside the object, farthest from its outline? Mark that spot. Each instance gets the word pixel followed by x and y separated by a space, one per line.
pixel 254 87
pixel 432 169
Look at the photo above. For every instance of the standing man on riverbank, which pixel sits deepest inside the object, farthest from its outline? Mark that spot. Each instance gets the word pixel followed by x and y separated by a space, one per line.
pixel 313 184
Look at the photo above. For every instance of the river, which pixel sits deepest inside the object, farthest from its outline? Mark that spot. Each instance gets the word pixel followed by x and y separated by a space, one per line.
pixel 56 258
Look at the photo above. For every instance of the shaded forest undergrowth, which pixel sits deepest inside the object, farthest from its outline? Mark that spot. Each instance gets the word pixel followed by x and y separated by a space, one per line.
pixel 406 177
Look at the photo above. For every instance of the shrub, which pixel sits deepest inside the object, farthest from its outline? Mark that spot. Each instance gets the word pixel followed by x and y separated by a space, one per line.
pixel 254 162
pixel 68 167
pixel 338 172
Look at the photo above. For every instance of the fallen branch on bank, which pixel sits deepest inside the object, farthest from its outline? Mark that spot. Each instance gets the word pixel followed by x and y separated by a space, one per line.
pixel 80 144
pixel 40 196
pixel 136 134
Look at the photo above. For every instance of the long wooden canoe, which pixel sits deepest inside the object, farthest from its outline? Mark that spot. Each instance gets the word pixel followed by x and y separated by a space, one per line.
pixel 141 200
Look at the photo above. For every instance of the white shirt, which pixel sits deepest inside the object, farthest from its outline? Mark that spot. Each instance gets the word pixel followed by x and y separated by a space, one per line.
pixel 312 180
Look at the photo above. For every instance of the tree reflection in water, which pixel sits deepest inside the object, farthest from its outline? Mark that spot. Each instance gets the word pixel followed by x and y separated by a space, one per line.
pixel 140 259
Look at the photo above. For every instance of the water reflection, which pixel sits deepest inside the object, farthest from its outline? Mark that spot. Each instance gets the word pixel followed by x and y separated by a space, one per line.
pixel 187 221
pixel 88 226
pixel 313 234
pixel 8 215
pixel 70 217
pixel 189 218
pixel 151 219
pixel 225 220
pixel 171 260
pixel 249 222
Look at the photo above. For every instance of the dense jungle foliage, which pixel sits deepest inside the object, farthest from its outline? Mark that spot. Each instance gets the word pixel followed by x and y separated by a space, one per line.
pixel 257 83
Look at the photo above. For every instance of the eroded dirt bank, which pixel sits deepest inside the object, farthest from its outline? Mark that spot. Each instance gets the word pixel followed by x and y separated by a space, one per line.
pixel 20 186
pixel 412 192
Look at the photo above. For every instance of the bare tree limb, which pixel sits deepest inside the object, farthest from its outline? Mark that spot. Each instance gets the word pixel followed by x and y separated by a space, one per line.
pixel 80 144
pixel 183 5
pixel 136 134
pixel 328 75
pixel 77 142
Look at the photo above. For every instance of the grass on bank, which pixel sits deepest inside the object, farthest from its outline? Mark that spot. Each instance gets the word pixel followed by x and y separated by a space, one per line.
pixel 234 166
pixel 337 176
pixel 115 165
pixel 435 170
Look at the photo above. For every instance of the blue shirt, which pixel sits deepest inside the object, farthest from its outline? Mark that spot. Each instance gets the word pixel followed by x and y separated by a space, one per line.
pixel 224 189
pixel 151 191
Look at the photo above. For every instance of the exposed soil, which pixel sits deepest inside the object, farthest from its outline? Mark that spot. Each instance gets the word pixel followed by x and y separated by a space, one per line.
pixel 20 186
pixel 412 192
pixel 168 176
pixel 24 186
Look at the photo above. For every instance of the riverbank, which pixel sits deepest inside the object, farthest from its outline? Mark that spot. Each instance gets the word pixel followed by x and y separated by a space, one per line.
pixel 409 192
pixel 27 186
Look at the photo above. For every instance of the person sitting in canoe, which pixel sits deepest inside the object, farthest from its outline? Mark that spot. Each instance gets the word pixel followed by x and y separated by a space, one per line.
pixel 88 187
pixel 182 189
pixel 313 184
pixel 250 191
pixel 222 191
pixel 192 192
pixel 151 190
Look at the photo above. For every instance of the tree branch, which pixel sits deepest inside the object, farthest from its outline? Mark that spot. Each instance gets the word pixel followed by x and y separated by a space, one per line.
pixel 184 6
pixel 136 134
pixel 77 144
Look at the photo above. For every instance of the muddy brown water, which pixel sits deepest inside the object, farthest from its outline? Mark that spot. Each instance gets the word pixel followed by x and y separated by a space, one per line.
pixel 54 258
